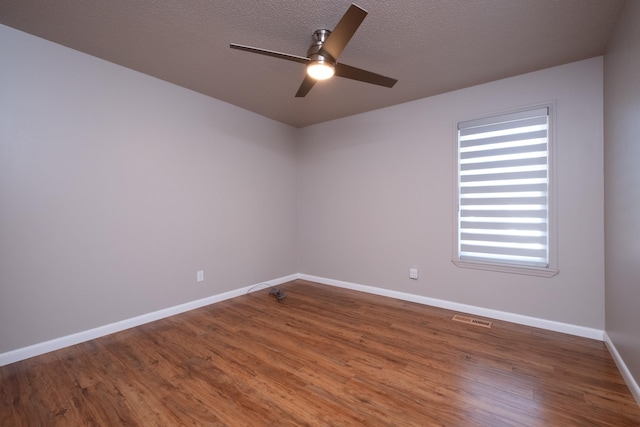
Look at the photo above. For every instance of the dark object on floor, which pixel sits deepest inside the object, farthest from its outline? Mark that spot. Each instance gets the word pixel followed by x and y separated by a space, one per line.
pixel 280 295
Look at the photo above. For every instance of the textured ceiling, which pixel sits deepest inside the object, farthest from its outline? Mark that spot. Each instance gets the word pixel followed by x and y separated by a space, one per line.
pixel 430 46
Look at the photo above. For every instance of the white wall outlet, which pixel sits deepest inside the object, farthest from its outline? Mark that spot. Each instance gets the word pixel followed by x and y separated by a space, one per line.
pixel 200 276
pixel 413 273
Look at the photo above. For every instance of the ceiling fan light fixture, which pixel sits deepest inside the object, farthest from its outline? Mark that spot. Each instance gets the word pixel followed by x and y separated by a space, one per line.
pixel 320 69
pixel 322 55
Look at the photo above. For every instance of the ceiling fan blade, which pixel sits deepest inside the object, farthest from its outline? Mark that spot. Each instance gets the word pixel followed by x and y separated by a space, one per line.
pixel 294 58
pixel 342 33
pixel 305 87
pixel 353 73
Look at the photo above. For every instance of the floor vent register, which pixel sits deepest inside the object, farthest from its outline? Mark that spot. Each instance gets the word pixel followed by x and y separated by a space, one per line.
pixel 472 321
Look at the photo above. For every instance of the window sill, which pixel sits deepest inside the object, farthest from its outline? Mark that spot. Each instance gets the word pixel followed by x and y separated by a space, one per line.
pixel 513 269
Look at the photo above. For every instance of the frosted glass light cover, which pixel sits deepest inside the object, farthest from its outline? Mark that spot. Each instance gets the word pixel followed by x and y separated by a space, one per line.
pixel 320 70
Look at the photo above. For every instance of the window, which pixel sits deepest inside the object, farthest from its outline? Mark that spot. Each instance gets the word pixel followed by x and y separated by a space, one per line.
pixel 504 210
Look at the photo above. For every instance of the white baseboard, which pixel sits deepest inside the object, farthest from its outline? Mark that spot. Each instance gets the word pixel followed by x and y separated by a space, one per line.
pixel 69 340
pixel 550 325
pixel 622 367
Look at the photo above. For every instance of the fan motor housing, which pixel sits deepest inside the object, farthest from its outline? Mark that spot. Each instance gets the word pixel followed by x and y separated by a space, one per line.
pixel 319 37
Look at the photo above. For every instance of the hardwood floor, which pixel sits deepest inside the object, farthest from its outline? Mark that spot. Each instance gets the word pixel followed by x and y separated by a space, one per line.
pixel 323 357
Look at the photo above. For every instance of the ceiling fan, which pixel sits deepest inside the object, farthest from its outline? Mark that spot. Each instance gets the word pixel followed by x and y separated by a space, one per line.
pixel 322 56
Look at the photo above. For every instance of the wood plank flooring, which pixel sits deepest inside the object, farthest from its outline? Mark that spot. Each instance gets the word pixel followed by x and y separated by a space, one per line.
pixel 323 357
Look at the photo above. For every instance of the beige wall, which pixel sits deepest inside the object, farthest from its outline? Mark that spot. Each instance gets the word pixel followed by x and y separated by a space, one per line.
pixel 377 197
pixel 115 188
pixel 622 187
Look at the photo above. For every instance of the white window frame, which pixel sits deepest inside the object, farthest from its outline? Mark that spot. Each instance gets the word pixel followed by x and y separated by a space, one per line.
pixel 551 269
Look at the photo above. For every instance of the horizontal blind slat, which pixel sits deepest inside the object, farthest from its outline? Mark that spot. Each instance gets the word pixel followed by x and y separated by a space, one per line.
pixel 535 201
pixel 504 177
pixel 502 238
pixel 520 214
pixel 499 189
pixel 534 253
pixel 511 140
pixel 511 150
pixel 511 163
pixel 522 227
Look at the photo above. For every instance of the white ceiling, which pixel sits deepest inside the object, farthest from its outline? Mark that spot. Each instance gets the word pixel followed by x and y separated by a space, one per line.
pixel 430 46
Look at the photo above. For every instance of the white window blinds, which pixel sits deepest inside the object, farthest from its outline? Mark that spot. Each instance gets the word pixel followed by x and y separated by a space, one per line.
pixel 503 183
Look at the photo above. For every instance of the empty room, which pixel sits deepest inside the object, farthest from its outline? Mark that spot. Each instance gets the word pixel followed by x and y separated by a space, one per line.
pixel 304 213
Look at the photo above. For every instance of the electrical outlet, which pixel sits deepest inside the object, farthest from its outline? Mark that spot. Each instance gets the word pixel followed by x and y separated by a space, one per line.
pixel 413 273
pixel 200 276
